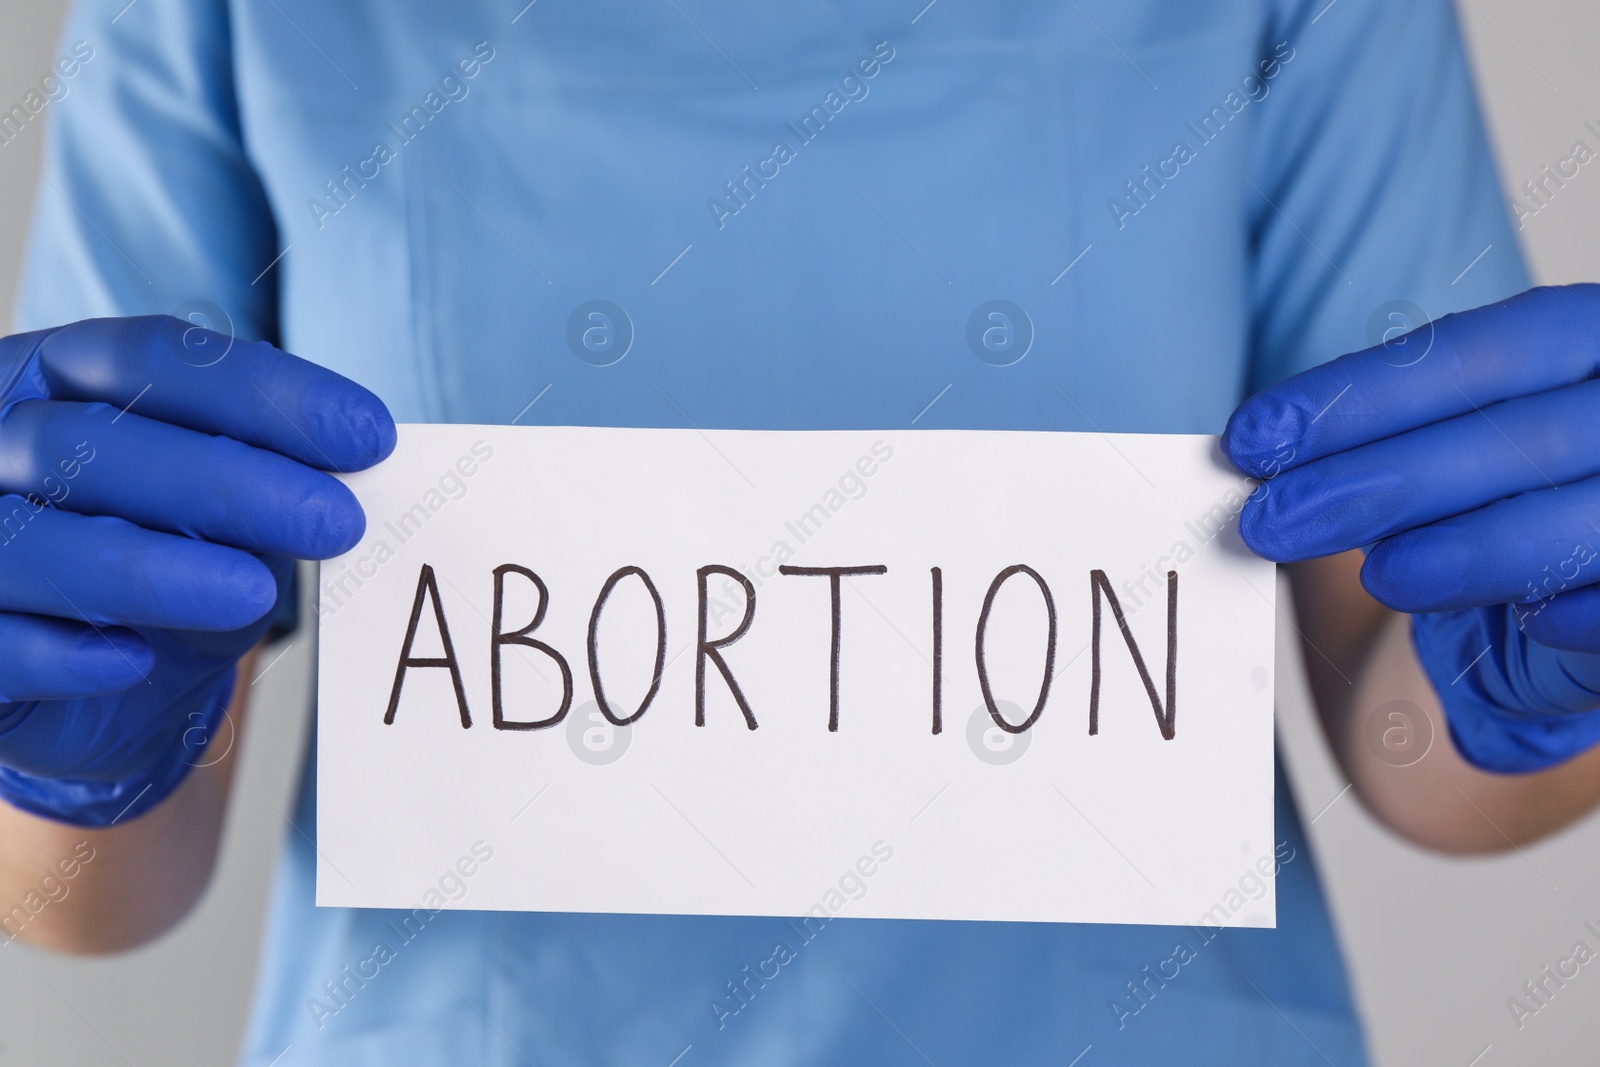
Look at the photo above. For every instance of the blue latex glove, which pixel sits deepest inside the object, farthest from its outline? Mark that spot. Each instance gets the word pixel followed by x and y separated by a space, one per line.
pixel 159 481
pixel 1465 457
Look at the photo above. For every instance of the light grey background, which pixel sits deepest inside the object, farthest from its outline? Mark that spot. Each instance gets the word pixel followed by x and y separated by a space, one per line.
pixel 1436 946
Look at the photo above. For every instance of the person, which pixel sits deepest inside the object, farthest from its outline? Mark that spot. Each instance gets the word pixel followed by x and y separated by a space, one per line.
pixel 793 214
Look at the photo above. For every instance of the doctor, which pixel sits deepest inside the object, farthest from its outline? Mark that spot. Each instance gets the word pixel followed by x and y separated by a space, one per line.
pixel 794 212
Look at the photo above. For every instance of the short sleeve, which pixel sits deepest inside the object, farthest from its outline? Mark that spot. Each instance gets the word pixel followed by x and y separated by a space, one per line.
pixel 1375 201
pixel 148 204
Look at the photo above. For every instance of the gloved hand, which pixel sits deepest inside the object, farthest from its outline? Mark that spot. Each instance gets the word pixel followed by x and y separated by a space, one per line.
pixel 1464 457
pixel 159 481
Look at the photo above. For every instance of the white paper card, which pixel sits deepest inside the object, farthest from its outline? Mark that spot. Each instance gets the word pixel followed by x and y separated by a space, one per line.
pixel 845 795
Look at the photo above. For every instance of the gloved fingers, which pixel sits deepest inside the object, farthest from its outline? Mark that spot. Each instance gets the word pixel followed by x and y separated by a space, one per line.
pixel 1569 621
pixel 107 571
pixel 184 645
pixel 172 371
pixel 91 459
pixel 1373 491
pixel 1540 340
pixel 1516 550
pixel 43 658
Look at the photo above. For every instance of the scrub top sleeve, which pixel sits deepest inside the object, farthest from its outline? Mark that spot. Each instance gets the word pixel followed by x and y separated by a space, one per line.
pixel 148 204
pixel 1372 193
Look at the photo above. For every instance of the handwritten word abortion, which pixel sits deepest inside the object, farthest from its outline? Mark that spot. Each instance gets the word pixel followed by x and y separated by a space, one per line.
pixel 714 652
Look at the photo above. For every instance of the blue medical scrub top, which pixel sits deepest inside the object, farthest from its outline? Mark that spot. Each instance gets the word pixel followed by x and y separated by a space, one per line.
pixel 794 212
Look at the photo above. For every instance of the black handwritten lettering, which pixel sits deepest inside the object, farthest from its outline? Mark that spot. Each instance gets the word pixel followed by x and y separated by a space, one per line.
pixel 427 587
pixel 834 574
pixel 1167 719
pixel 938 649
pixel 1049 653
pixel 499 640
pixel 712 650
pixel 594 652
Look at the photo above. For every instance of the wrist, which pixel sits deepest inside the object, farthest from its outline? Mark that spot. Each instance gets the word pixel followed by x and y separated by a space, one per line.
pixel 1513 705
pixel 102 804
pixel 19 368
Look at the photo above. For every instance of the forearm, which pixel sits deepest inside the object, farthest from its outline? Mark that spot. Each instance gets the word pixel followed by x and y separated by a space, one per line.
pixel 1359 658
pixel 93 891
